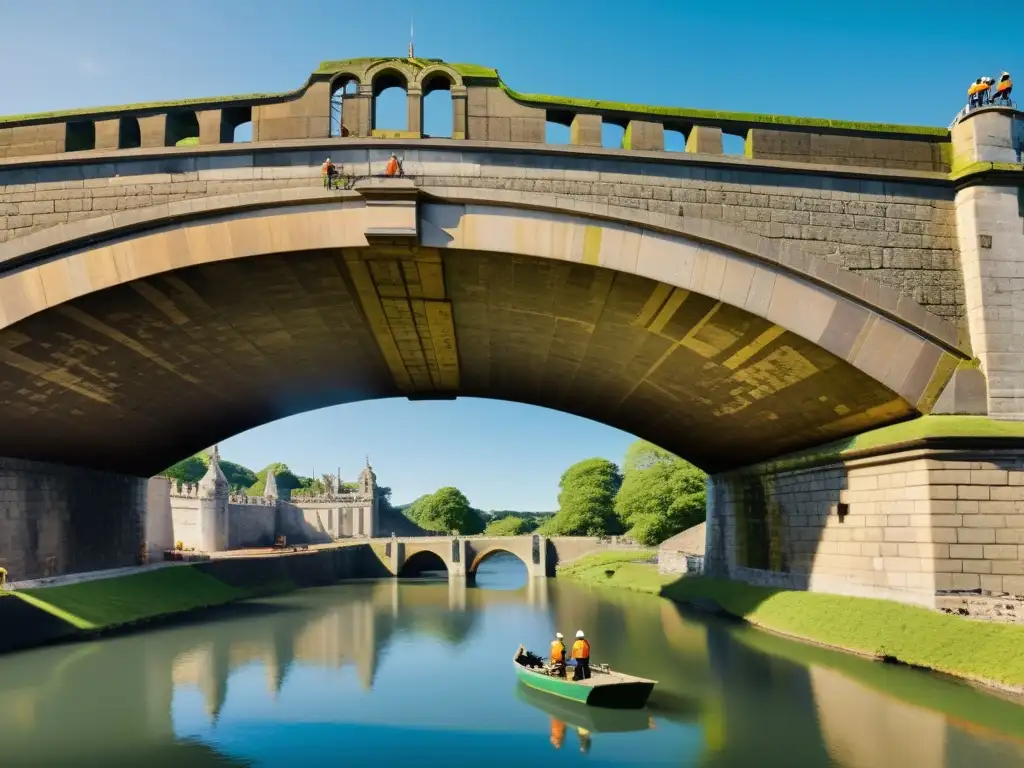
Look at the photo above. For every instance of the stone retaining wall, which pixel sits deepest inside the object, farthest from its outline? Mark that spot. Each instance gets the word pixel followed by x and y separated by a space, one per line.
pixel 899 231
pixel 903 526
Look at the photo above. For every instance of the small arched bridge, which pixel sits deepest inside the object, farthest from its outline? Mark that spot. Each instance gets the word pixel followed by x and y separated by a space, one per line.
pixel 462 556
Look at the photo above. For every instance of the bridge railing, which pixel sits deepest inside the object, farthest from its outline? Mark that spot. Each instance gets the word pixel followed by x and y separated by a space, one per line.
pixel 483 109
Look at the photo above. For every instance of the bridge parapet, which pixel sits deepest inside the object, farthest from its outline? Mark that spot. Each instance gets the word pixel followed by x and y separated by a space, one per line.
pixel 338 100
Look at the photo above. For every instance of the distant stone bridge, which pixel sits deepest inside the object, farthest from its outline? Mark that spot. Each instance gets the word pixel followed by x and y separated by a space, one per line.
pixel 461 556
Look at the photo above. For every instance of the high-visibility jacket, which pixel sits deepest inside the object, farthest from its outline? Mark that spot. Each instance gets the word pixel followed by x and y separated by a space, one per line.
pixel 977 88
pixel 557 651
pixel 581 649
pixel 1004 85
pixel 326 167
pixel 392 168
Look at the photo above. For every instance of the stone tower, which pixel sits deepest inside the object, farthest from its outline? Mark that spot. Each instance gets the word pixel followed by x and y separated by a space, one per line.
pixel 368 490
pixel 270 490
pixel 213 507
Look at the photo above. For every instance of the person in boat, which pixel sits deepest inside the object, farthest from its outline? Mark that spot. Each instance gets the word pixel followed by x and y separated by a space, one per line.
pixel 581 655
pixel 558 654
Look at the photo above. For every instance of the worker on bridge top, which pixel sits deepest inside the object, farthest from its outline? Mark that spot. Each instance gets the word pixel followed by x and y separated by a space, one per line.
pixel 327 170
pixel 558 655
pixel 1003 89
pixel 581 653
pixel 976 93
pixel 393 166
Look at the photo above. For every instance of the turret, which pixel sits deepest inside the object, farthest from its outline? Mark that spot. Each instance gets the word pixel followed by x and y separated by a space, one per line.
pixel 213 507
pixel 270 490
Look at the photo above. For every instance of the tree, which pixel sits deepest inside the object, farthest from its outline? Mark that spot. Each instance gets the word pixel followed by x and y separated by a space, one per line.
pixel 661 494
pixel 286 481
pixel 192 469
pixel 586 501
pixel 445 510
pixel 510 526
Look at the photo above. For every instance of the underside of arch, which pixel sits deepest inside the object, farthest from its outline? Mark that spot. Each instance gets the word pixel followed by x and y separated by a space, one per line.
pixel 157 346
pixel 422 561
pixel 488 553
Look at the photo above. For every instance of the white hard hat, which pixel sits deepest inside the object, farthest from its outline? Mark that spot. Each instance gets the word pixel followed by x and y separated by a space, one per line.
pixel 559 635
pixel 579 633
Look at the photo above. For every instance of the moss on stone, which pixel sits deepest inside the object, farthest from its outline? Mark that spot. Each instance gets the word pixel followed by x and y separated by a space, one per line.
pixel 188 141
pixel 972 169
pixel 706 115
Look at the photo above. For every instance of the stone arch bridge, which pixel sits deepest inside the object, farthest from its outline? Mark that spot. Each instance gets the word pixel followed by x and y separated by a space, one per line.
pixel 462 555
pixel 162 288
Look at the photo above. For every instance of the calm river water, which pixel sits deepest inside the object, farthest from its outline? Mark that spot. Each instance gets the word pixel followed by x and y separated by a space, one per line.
pixel 419 673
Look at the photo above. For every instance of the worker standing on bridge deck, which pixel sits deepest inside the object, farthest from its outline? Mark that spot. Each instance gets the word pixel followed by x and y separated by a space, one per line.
pixel 393 166
pixel 581 653
pixel 1003 89
pixel 558 655
pixel 327 170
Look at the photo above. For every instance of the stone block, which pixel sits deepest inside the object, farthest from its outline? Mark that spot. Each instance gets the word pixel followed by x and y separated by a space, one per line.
pixel 642 135
pixel 704 139
pixel 585 131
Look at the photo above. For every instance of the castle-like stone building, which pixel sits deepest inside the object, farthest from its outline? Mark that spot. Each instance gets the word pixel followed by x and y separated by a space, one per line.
pixel 206 517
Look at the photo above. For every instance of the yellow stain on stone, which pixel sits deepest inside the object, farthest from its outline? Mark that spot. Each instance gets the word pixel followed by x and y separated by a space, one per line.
pixel 781 369
pixel 890 410
pixel 674 302
pixel 592 245
pixel 370 301
pixel 943 372
pixel 113 334
pixel 442 334
pixel 162 302
pixel 53 375
pixel 704 348
pixel 751 349
pixel 654 302
pixel 432 280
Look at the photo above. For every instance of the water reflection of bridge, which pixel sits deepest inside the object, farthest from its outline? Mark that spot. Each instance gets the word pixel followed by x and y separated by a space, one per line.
pixel 707 684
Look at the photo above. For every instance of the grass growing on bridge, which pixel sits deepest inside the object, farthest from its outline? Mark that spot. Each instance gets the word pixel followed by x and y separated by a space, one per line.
pixel 622 569
pixel 104 603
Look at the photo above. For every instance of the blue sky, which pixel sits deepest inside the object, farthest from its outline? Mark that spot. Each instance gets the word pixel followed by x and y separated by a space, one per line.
pixel 897 62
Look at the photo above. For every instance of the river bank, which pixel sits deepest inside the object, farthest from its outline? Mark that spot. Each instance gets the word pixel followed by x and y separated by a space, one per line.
pixel 83 609
pixel 983 653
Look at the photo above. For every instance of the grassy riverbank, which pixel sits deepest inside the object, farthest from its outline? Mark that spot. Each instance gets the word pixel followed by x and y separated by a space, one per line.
pixel 976 650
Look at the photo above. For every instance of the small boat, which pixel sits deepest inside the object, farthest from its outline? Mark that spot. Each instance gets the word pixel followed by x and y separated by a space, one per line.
pixel 604 688
pixel 593 719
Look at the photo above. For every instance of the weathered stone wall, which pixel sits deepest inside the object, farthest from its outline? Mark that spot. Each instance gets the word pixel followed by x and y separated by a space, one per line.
pixel 900 233
pixel 84 519
pixel 159 517
pixel 914 524
pixel 251 525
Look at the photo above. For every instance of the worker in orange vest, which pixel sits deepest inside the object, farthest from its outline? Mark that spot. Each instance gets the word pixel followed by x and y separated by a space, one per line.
pixel 1003 89
pixel 558 655
pixel 393 166
pixel 581 653
pixel 327 171
pixel 975 94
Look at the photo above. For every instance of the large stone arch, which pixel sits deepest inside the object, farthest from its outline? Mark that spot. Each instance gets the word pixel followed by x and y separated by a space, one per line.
pixel 757 329
pixel 490 550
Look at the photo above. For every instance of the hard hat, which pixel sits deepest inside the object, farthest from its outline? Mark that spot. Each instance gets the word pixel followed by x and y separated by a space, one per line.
pixel 579 633
pixel 559 635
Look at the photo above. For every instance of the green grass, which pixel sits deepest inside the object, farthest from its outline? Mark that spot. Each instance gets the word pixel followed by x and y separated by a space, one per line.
pixel 921 428
pixel 107 603
pixel 617 569
pixel 918 636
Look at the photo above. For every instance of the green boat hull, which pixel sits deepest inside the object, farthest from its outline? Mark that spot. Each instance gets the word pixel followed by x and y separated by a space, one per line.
pixel 578 715
pixel 631 695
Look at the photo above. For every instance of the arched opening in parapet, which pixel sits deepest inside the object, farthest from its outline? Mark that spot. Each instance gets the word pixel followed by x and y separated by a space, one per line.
pixel 424 565
pixel 436 114
pixel 733 144
pixel 235 125
pixel 181 128
pixel 344 105
pixel 390 102
pixel 498 568
pixel 675 139
pixel 612 133
pixel 557 132
pixel 79 135
pixel 128 134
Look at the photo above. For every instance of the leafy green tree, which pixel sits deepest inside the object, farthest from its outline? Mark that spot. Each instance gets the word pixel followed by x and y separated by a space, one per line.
pixel 510 526
pixel 286 481
pixel 661 494
pixel 445 510
pixel 192 469
pixel 586 501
